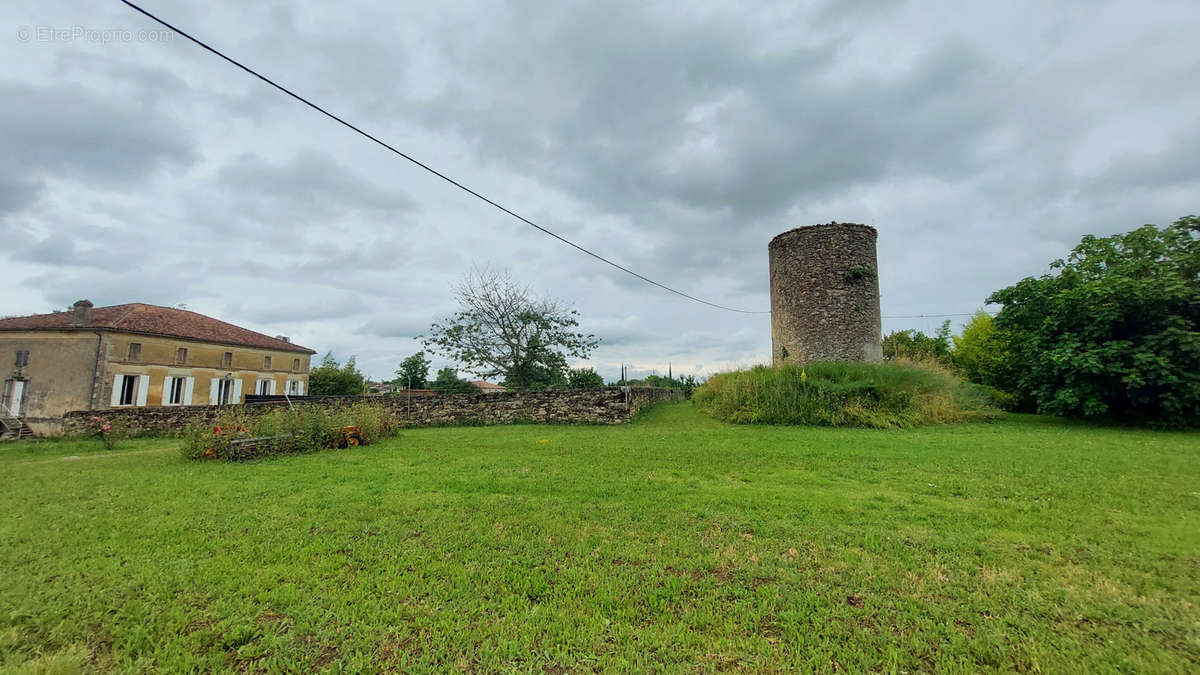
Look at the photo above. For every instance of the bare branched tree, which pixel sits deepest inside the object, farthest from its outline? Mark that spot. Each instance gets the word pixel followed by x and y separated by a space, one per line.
pixel 503 330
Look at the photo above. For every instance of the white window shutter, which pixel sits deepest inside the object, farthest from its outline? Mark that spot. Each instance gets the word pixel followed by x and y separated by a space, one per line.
pixel 116 392
pixel 189 385
pixel 271 387
pixel 300 388
pixel 166 399
pixel 212 390
pixel 237 391
pixel 143 389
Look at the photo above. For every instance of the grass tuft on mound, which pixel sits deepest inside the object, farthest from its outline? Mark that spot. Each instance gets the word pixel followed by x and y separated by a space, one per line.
pixel 876 395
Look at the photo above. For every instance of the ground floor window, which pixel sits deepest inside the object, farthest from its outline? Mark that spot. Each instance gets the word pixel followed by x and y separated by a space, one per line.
pixel 175 391
pixel 295 388
pixel 224 391
pixel 128 390
pixel 266 387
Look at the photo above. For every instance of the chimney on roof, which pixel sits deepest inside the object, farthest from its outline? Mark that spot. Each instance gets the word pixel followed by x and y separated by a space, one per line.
pixel 83 312
pixel 283 337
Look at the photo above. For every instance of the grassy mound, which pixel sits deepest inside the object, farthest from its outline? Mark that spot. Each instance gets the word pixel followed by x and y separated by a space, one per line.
pixel 878 395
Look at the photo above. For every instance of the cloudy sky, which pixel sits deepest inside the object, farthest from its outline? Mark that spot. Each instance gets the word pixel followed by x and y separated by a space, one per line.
pixel 982 139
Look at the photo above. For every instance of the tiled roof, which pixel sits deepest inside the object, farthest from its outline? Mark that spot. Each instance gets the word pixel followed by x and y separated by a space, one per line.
pixel 482 384
pixel 153 320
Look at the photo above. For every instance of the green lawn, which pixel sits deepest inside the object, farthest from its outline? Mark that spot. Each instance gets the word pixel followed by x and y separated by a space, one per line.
pixel 676 543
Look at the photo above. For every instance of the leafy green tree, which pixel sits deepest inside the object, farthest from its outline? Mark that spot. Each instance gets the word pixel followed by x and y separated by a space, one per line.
pixel 689 383
pixel 1112 330
pixel 449 382
pixel 334 379
pixel 580 378
pixel 981 352
pixel 686 383
pixel 913 344
pixel 659 381
pixel 502 330
pixel 550 372
pixel 413 372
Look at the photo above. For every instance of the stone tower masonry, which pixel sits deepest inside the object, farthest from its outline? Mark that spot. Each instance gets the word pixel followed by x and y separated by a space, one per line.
pixel 825 295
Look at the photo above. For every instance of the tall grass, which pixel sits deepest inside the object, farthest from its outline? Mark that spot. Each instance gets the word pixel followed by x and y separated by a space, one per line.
pixel 286 430
pixel 877 395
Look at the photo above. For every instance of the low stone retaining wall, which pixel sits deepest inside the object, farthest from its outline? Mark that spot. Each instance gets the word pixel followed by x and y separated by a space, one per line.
pixel 600 405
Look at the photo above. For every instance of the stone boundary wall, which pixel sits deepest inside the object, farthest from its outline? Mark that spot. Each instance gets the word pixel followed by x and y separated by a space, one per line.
pixel 601 405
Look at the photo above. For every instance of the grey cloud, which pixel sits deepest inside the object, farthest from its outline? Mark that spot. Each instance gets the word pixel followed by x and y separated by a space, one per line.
pixel 147 86
pixel 137 284
pixel 396 325
pixel 290 310
pixel 648 120
pixel 76 133
pixel 698 121
pixel 312 183
pixel 1177 165
pixel 621 332
pixel 16 191
pixel 838 12
pixel 57 249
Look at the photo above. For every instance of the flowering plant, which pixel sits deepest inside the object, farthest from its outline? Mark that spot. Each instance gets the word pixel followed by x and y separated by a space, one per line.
pixel 103 429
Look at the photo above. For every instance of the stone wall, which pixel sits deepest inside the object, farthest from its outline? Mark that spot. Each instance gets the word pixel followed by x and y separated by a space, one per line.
pixel 602 405
pixel 825 294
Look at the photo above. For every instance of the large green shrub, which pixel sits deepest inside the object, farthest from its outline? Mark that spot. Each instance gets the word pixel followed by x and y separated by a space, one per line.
pixel 879 395
pixel 981 354
pixel 583 378
pixel 448 382
pixel 1112 330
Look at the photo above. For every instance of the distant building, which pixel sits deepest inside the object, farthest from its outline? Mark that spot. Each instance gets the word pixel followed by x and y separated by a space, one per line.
pixel 488 387
pixel 382 387
pixel 94 358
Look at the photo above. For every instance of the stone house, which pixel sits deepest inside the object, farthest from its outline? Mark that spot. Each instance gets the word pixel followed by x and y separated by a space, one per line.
pixel 96 358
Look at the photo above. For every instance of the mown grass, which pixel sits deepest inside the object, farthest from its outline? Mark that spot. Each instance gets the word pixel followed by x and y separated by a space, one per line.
pixel 874 395
pixel 677 543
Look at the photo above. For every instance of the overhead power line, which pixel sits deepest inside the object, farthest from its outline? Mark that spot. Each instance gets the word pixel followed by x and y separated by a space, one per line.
pixel 421 164
pixel 928 316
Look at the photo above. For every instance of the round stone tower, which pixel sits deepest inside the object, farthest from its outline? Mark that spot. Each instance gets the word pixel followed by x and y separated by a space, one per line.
pixel 825 295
